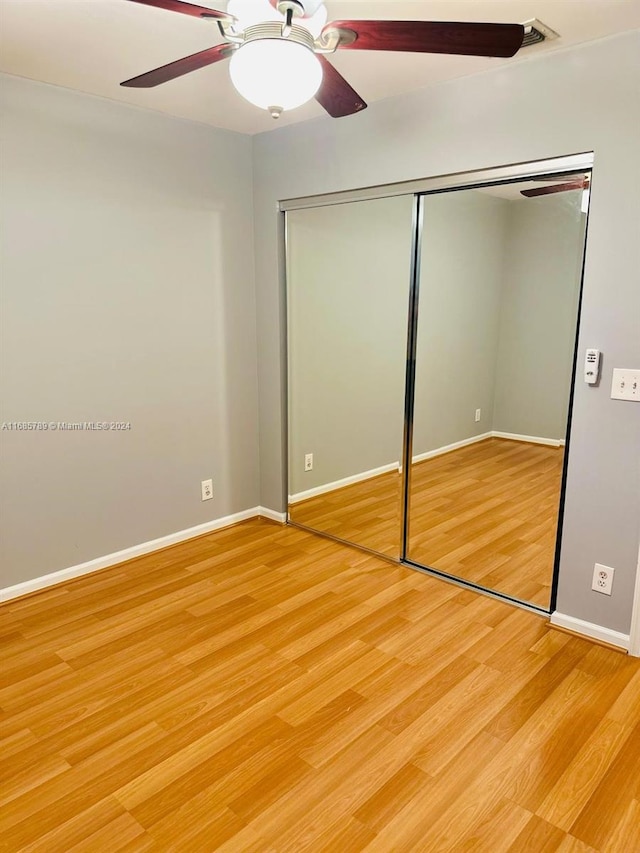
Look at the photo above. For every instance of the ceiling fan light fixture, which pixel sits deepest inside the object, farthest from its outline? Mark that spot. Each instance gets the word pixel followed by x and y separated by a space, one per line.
pixel 279 48
pixel 275 74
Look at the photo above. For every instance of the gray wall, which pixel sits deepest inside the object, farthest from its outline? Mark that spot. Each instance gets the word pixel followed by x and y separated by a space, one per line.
pixel 348 288
pixel 128 295
pixel 461 284
pixel 499 287
pixel 530 109
pixel 543 265
pixel 91 339
pixel 498 298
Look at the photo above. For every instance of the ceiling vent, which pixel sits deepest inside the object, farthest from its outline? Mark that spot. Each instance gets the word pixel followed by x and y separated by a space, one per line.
pixel 535 32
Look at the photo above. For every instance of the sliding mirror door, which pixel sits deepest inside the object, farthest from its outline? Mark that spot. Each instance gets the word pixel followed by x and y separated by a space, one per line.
pixel 500 277
pixel 348 277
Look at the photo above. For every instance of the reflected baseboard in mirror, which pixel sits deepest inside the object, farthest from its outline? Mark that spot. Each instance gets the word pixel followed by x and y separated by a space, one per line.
pixel 366 512
pixel 487 513
pixel 348 276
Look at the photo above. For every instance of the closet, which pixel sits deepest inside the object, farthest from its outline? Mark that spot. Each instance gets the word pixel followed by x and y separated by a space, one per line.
pixel 431 342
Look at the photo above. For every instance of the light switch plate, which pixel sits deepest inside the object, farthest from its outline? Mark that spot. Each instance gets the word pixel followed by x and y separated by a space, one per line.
pixel 625 384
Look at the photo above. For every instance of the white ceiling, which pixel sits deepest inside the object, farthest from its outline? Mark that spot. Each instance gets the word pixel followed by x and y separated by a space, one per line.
pixel 92 45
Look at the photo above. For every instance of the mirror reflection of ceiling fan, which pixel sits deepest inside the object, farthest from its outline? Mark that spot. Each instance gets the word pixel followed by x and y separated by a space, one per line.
pixel 278 49
pixel 567 183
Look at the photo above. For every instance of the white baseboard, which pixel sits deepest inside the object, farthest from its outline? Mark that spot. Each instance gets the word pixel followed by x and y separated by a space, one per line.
pixel 272 515
pixel 590 629
pixel 346 481
pixel 530 439
pixel 447 448
pixel 135 551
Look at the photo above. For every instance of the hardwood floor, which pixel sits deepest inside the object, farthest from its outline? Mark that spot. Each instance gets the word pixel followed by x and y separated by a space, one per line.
pixel 486 513
pixel 262 689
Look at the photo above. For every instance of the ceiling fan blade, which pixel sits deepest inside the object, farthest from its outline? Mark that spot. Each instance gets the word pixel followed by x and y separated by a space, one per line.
pixel 555 188
pixel 563 178
pixel 470 39
pixel 180 67
pixel 335 94
pixel 186 9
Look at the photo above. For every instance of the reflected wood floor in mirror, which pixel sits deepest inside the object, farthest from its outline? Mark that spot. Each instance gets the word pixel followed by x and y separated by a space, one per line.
pixel 366 513
pixel 264 690
pixel 486 513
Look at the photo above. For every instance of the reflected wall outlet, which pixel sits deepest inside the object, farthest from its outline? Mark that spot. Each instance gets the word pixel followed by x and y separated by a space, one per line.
pixel 602 579
pixel 207 489
pixel 478 414
pixel 308 461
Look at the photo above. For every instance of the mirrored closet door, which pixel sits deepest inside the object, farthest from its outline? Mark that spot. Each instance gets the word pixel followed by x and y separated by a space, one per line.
pixel 500 277
pixel 431 357
pixel 348 276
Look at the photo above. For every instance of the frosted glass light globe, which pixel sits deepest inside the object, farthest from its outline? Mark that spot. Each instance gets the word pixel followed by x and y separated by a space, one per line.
pixel 275 73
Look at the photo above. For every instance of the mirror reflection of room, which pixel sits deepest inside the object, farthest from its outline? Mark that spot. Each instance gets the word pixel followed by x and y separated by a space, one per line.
pixel 498 279
pixel 499 291
pixel 348 276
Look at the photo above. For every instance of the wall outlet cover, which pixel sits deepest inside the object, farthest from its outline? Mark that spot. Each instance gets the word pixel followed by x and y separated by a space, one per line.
pixel 602 579
pixel 625 384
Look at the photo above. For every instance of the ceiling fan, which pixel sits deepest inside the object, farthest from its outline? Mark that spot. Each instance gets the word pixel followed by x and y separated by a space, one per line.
pixel 278 49
pixel 567 183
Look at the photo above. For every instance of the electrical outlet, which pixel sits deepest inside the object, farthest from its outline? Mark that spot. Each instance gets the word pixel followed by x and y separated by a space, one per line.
pixel 625 384
pixel 478 414
pixel 207 489
pixel 308 461
pixel 602 579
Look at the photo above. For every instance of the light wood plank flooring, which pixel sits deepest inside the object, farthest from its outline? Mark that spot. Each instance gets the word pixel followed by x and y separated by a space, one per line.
pixel 486 513
pixel 262 689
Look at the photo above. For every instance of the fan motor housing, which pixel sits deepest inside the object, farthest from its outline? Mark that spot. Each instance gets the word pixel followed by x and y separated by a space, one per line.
pixel 273 30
